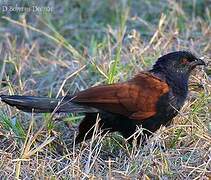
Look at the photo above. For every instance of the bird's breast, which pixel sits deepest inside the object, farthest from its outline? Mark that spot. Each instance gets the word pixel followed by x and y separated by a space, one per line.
pixel 168 107
pixel 175 103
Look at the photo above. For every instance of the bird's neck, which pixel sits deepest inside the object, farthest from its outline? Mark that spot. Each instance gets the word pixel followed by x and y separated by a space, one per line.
pixel 177 81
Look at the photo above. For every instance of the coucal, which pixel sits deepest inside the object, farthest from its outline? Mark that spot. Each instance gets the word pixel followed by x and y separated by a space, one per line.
pixel 150 99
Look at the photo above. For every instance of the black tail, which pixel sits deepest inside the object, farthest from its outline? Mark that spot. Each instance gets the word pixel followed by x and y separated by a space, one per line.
pixel 44 104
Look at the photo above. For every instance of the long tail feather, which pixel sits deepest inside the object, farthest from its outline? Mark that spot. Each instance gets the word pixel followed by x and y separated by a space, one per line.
pixel 44 104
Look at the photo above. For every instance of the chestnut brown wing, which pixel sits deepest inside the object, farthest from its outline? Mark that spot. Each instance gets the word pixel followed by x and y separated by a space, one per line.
pixel 135 99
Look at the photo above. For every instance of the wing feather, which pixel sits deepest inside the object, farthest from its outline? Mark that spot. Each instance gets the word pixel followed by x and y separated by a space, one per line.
pixel 136 98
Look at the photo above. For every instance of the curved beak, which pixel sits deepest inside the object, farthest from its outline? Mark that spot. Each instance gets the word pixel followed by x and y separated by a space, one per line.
pixel 198 62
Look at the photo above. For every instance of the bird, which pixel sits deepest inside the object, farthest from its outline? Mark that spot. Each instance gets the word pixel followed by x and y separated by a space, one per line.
pixel 150 99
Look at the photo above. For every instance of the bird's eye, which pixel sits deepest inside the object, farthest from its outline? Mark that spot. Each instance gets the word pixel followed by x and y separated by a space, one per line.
pixel 184 61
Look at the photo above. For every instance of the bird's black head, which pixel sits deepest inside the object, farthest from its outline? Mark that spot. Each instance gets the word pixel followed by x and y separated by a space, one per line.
pixel 179 62
pixel 175 68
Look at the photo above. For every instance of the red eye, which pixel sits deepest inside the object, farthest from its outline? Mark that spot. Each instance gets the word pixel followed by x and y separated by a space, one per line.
pixel 185 61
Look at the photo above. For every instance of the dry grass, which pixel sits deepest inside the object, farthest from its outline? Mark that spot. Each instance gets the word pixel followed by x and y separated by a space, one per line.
pixel 86 43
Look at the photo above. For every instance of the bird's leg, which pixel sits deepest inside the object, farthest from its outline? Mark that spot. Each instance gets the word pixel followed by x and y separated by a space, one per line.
pixel 86 127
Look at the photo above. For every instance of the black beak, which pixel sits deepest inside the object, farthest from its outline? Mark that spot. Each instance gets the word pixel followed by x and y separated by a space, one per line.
pixel 198 62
